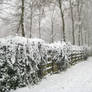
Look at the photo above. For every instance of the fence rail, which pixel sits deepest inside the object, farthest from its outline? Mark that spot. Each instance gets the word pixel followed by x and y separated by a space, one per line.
pixel 54 67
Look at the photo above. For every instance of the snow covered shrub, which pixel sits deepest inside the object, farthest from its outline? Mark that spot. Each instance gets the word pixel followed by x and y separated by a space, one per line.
pixel 8 79
pixel 58 55
pixel 25 61
pixel 18 63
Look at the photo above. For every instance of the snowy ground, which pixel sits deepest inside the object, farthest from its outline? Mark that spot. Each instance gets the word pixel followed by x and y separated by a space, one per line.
pixel 76 79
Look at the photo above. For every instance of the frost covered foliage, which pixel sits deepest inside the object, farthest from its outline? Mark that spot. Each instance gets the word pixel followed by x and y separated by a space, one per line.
pixel 21 60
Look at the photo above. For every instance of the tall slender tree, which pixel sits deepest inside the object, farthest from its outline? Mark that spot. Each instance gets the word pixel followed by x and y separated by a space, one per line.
pixel 22 18
pixel 72 19
pixel 60 2
pixel 79 11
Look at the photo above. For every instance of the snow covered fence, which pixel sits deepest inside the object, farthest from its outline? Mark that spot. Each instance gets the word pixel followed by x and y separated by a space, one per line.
pixel 78 53
pixel 61 55
pixel 26 61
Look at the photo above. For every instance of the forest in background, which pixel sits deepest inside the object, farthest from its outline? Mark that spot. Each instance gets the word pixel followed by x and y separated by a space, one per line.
pixel 50 20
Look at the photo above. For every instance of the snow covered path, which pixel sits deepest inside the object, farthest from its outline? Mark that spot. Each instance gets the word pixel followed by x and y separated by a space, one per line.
pixel 76 79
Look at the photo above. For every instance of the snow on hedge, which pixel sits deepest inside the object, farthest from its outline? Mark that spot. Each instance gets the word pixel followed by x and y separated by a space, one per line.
pixel 20 59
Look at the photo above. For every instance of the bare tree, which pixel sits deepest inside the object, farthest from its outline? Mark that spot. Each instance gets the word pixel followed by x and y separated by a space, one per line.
pixel 60 2
pixel 79 11
pixel 39 19
pixel 31 16
pixel 72 19
pixel 41 4
pixel 22 18
pixel 21 21
pixel 52 23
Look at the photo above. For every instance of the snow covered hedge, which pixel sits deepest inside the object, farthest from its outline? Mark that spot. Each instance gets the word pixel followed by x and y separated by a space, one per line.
pixel 20 60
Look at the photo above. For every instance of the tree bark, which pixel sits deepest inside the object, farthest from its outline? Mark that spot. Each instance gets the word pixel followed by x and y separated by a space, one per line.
pixel 81 36
pixel 79 20
pixel 22 19
pixel 63 21
pixel 52 30
pixel 31 21
pixel 72 19
pixel 39 23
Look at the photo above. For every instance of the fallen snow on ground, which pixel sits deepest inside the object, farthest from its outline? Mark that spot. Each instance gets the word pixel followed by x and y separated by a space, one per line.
pixel 76 79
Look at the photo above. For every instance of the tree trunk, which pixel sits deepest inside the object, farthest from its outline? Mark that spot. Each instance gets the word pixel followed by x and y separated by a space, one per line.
pixel 52 40
pixel 72 19
pixel 52 25
pixel 63 21
pixel 39 24
pixel 79 20
pixel 22 19
pixel 81 36
pixel 31 21
pixel 85 37
pixel 88 38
